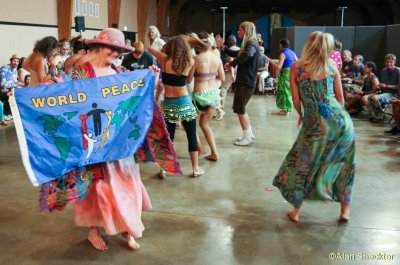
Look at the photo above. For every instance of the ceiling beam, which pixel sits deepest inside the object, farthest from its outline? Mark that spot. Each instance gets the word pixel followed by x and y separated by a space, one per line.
pixel 174 16
pixel 114 9
pixel 162 7
pixel 142 11
pixel 64 18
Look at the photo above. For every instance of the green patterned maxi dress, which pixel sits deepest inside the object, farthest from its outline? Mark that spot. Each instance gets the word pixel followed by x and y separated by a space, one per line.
pixel 321 162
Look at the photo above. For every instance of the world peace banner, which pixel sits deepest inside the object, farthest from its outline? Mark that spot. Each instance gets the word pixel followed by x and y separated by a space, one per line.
pixel 67 125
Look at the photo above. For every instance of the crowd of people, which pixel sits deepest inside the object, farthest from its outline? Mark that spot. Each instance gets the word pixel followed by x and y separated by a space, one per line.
pixel 191 85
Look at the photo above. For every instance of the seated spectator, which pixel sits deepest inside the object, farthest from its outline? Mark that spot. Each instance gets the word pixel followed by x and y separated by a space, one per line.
pixel 336 56
pixel 389 87
pixel 8 81
pixel 63 54
pixel 262 71
pixel 27 80
pixel 260 40
pixel 347 63
pixel 360 96
pixel 355 77
pixel 2 121
pixel 139 59
pixel 21 71
pixel 396 115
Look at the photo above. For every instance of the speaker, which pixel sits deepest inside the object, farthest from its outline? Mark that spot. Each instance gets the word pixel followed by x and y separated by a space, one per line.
pixel 79 23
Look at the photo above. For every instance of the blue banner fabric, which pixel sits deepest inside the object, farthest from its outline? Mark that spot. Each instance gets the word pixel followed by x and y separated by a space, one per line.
pixel 67 125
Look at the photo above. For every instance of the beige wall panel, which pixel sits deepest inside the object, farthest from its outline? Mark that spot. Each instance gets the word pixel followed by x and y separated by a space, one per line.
pixel 36 11
pixel 92 21
pixel 20 40
pixel 128 15
pixel 88 34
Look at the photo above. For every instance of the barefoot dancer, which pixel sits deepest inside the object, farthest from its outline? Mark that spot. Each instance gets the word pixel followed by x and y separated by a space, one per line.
pixel 321 161
pixel 208 75
pixel 113 193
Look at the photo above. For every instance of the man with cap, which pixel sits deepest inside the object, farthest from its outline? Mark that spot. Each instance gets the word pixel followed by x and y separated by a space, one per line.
pixel 9 80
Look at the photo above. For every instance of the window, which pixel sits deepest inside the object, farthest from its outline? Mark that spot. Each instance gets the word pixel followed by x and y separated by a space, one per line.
pixel 77 7
pixel 84 7
pixel 90 9
pixel 96 10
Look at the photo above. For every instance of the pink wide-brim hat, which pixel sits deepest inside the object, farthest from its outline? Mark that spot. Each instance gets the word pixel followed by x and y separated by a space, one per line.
pixel 112 38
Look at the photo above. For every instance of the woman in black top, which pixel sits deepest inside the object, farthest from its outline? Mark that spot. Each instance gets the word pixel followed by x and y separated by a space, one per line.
pixel 177 63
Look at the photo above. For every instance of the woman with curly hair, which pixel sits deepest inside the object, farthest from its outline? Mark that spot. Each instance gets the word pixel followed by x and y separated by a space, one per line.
pixel 177 63
pixel 36 64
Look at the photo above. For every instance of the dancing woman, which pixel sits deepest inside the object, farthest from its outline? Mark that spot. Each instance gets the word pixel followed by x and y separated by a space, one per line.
pixel 286 59
pixel 108 194
pixel 322 160
pixel 177 62
pixel 208 75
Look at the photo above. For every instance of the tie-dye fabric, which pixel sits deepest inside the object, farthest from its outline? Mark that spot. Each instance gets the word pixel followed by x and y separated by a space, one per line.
pixel 321 162
pixel 75 185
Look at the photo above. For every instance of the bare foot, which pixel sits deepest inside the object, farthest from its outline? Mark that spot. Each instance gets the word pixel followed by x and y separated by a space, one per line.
pixel 96 240
pixel 344 213
pixel 211 158
pixel 131 241
pixel 293 216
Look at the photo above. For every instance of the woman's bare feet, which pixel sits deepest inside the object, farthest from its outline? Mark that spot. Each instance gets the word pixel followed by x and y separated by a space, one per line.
pixel 344 213
pixel 131 241
pixel 293 217
pixel 294 214
pixel 211 158
pixel 96 240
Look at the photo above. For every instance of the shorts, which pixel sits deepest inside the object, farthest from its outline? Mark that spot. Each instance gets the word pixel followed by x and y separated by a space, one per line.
pixel 242 96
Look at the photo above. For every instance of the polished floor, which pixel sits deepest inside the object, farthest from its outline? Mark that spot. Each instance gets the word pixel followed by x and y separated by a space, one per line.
pixel 231 215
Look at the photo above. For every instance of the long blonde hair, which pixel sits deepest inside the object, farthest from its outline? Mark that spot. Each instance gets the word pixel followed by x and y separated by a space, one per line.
pixel 316 53
pixel 249 33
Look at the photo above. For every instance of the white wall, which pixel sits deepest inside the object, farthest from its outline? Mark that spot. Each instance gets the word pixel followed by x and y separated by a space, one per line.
pixel 17 39
pixel 128 15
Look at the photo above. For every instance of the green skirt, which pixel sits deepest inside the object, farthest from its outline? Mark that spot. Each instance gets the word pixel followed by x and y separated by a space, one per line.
pixel 283 93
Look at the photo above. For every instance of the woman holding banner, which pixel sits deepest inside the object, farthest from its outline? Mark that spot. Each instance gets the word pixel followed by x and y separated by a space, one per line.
pixel 113 193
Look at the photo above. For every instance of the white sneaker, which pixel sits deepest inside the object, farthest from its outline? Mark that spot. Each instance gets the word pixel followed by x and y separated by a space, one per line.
pixel 7 118
pixel 241 138
pixel 11 117
pixel 243 142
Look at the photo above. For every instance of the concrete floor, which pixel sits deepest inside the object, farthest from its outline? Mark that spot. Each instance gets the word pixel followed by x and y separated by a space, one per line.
pixel 231 215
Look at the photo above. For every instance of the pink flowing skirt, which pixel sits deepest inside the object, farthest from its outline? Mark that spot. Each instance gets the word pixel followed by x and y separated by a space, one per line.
pixel 115 203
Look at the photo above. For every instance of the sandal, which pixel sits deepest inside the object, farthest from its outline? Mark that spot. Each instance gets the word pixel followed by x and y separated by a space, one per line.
pixel 162 174
pixel 198 173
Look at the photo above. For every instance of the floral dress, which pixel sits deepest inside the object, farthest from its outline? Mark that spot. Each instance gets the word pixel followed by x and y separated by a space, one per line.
pixel 321 162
